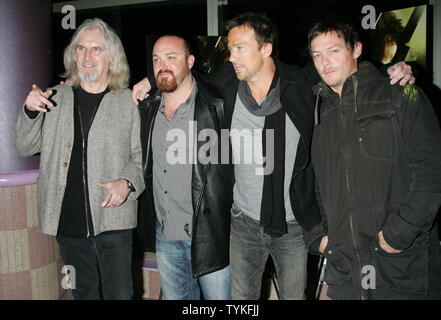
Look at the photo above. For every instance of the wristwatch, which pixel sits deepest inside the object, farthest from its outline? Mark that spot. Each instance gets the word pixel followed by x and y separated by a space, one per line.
pixel 130 186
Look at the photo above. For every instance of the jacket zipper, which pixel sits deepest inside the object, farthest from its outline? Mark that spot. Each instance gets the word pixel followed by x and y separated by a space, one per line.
pixel 354 242
pixel 86 195
pixel 351 224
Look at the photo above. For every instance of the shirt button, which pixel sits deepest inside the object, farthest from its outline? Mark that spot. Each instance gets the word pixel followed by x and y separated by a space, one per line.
pixel 69 145
pixel 165 171
pixel 329 251
pixel 65 164
pixel 360 139
pixel 165 191
pixel 62 188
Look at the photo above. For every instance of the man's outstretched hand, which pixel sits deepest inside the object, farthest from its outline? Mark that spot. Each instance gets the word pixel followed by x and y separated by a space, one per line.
pixel 37 100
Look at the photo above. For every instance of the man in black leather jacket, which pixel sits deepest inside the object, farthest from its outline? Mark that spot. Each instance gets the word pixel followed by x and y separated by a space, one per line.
pixel 184 212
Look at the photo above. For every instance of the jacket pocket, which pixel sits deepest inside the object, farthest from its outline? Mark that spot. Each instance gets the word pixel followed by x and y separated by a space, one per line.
pixel 407 270
pixel 378 135
pixel 338 267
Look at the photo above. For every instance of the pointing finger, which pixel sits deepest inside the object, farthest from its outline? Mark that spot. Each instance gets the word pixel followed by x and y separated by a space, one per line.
pixel 47 93
pixel 43 101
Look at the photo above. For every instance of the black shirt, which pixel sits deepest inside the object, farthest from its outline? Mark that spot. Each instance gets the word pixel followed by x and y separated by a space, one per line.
pixel 75 219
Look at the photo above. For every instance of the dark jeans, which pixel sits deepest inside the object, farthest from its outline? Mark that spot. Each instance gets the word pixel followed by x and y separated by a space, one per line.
pixel 111 252
pixel 249 250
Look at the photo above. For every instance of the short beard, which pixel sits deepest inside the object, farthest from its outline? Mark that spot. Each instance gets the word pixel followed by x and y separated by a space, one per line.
pixel 166 85
pixel 88 77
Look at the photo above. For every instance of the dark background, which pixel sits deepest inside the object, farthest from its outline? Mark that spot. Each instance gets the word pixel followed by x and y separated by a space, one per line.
pixel 189 17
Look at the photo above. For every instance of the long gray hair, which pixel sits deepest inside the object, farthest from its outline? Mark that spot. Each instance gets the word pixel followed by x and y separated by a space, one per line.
pixel 119 72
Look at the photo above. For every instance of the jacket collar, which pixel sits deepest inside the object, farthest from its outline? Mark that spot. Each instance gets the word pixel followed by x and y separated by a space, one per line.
pixel 289 75
pixel 365 74
pixel 155 97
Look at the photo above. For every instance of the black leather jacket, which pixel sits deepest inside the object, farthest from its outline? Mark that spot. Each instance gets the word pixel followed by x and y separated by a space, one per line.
pixel 212 189
pixel 297 99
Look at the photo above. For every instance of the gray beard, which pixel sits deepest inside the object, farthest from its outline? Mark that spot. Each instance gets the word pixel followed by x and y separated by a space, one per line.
pixel 88 77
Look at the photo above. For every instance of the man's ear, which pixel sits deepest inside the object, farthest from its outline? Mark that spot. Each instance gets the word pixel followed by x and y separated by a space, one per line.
pixel 358 48
pixel 190 61
pixel 267 49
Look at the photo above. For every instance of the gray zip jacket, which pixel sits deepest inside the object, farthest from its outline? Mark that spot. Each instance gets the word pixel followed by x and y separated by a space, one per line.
pixel 114 152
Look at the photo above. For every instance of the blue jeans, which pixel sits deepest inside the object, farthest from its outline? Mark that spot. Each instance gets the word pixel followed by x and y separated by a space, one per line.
pixel 177 281
pixel 111 252
pixel 249 250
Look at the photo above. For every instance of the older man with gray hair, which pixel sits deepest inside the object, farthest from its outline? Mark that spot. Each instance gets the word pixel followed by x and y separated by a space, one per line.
pixel 88 134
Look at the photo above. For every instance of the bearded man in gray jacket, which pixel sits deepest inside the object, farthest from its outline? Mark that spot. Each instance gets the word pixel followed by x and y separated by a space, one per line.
pixel 88 135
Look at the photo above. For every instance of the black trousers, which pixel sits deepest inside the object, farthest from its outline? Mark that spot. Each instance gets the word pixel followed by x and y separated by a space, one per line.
pixel 106 257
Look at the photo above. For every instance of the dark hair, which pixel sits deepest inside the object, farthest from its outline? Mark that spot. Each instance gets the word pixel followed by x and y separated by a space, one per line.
pixel 343 30
pixel 387 29
pixel 264 28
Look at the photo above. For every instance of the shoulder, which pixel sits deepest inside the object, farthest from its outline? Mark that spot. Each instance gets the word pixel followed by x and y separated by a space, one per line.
pixel 408 93
pixel 287 67
pixel 208 93
pixel 61 87
pixel 411 93
pixel 120 94
pixel 410 98
pixel 122 97
pixel 290 73
pixel 154 97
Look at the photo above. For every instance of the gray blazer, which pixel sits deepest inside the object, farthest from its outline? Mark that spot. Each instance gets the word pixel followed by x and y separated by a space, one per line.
pixel 114 152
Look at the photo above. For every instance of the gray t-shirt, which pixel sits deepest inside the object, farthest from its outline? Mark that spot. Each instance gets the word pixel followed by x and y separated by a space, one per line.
pixel 246 141
pixel 172 169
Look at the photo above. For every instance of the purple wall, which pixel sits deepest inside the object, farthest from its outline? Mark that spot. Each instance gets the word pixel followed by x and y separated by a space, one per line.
pixel 25 58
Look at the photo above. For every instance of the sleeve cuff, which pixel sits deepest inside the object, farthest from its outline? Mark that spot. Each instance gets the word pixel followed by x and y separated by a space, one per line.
pixel 31 114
